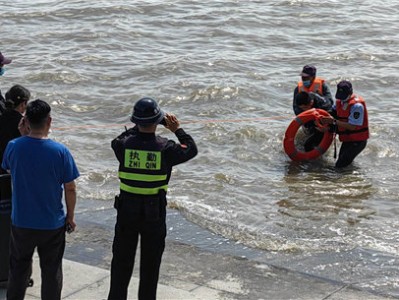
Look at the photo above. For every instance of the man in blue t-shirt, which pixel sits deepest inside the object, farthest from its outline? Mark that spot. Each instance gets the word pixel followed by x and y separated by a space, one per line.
pixel 41 169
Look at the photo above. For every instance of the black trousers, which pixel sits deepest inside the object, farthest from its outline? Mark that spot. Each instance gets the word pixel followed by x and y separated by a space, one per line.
pixel 136 218
pixel 5 225
pixel 314 140
pixel 50 247
pixel 348 152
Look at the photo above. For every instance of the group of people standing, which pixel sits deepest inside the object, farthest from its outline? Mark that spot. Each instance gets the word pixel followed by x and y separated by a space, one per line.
pixel 348 116
pixel 42 170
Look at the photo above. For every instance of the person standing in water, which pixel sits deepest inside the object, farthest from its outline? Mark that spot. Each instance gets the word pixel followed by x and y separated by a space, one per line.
pixel 351 123
pixel 316 87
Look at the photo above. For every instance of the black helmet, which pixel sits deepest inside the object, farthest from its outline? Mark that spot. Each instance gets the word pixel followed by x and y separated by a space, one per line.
pixel 147 111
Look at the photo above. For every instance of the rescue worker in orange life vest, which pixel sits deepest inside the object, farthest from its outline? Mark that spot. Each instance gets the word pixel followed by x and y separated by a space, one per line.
pixel 145 166
pixel 306 101
pixel 351 123
pixel 315 86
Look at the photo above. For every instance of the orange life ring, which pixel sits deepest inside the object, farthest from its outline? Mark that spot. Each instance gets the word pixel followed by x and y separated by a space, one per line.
pixel 313 114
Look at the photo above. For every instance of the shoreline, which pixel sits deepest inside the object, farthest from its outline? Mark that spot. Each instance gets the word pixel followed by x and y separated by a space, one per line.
pixel 246 273
pixel 187 271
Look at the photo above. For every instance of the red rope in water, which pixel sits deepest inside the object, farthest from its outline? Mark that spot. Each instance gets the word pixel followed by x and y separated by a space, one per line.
pixel 73 127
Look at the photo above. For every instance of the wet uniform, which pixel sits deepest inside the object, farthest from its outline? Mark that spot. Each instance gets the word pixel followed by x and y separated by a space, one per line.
pixel 145 166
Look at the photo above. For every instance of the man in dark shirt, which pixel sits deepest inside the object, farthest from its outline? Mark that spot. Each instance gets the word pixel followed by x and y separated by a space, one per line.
pixel 305 101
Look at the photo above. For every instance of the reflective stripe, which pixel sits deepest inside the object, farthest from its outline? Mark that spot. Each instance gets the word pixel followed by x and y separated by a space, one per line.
pixel 299 121
pixel 141 177
pixel 353 131
pixel 142 191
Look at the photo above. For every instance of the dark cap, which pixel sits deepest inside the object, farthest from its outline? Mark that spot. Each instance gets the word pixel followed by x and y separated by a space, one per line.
pixel 17 94
pixel 4 60
pixel 344 89
pixel 308 71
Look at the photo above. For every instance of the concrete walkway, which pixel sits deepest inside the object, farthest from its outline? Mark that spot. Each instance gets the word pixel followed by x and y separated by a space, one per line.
pixel 230 279
pixel 189 271
pixel 86 282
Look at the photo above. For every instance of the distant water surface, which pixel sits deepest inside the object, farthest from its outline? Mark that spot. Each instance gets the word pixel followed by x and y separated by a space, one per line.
pixel 227 69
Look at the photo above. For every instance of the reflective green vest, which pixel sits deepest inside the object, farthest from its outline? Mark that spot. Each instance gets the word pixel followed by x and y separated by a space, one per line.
pixel 143 172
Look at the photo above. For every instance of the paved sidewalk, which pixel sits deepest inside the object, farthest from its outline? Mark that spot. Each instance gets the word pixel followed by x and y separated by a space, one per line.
pixel 86 282
pixel 240 279
pixel 189 272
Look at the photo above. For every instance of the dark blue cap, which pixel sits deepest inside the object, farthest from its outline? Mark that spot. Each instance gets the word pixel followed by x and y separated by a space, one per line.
pixel 308 71
pixel 344 89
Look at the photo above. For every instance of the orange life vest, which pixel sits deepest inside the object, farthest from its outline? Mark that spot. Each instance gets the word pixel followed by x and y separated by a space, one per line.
pixel 361 133
pixel 316 87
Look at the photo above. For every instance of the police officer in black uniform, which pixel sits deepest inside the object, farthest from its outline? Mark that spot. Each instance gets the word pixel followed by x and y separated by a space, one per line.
pixel 145 166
